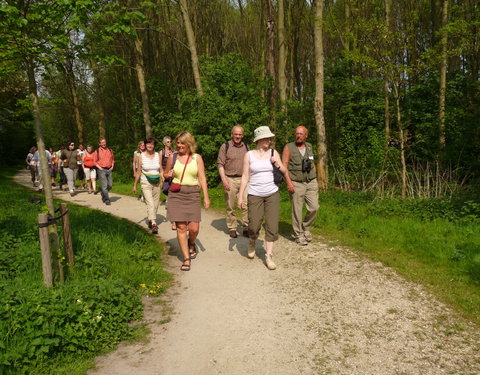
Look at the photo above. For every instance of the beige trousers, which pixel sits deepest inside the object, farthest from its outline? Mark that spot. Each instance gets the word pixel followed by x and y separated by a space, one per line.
pixel 230 199
pixel 151 193
pixel 304 192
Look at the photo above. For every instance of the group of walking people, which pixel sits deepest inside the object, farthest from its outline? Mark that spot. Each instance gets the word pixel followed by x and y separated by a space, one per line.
pixel 71 162
pixel 247 177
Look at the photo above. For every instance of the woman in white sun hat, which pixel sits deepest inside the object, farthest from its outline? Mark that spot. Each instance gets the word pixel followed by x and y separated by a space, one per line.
pixel 263 196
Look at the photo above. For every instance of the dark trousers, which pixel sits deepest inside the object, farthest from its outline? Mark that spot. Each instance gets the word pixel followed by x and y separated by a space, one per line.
pixel 105 178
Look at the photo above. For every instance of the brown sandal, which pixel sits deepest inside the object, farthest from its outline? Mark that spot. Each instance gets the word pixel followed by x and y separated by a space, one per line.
pixel 192 250
pixel 185 267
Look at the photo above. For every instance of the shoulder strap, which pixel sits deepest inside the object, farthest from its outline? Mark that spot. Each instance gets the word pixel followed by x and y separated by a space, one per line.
pixel 227 145
pixel 185 167
pixel 174 159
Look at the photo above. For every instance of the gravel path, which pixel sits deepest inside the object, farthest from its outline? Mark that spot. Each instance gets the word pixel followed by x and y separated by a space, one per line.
pixel 325 310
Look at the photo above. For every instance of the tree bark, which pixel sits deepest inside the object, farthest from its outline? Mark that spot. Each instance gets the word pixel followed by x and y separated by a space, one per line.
pixel 443 80
pixel 192 46
pixel 271 60
pixel 140 69
pixel 388 8
pixel 99 99
pixel 47 186
pixel 73 91
pixel 282 58
pixel 403 139
pixel 319 97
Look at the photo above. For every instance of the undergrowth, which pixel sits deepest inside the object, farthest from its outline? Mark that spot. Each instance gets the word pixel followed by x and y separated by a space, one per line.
pixel 55 330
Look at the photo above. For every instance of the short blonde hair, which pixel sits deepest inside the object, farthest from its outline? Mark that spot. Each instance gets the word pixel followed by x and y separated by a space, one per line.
pixel 187 139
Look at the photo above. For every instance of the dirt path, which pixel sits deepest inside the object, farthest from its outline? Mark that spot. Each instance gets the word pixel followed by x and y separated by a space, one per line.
pixel 324 310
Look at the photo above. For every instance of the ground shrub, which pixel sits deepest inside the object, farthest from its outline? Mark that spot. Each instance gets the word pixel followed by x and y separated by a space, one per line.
pixel 43 329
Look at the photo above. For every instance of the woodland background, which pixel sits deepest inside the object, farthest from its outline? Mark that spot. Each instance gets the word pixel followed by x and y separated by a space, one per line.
pixel 389 89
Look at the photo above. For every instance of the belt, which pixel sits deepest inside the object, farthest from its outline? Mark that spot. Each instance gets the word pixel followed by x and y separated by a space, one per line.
pixel 236 175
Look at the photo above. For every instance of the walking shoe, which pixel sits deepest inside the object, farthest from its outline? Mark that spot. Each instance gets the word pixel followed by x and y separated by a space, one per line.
pixel 245 232
pixel 308 236
pixel 154 228
pixel 96 192
pixel 269 261
pixel 233 233
pixel 108 203
pixel 300 240
pixel 251 249
pixel 72 193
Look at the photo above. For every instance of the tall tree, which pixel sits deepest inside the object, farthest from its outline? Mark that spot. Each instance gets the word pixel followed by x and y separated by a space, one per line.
pixel 70 78
pixel 271 60
pixel 142 83
pixel 319 96
pixel 443 77
pixel 386 90
pixel 192 46
pixel 282 58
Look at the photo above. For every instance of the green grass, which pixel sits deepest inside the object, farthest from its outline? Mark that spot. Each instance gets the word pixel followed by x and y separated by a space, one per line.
pixel 433 243
pixel 54 330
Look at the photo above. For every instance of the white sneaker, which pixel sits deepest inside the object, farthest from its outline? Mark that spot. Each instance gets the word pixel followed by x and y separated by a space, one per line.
pixel 269 261
pixel 251 249
pixel 300 240
pixel 308 236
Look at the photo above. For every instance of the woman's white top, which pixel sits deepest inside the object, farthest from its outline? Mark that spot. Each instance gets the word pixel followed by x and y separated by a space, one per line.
pixel 150 166
pixel 261 177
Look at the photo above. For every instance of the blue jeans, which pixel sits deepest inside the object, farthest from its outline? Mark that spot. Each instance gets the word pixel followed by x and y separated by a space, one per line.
pixel 105 178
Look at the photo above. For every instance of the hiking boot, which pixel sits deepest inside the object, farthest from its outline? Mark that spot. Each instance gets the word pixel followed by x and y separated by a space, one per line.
pixel 300 240
pixel 269 261
pixel 232 233
pixel 308 236
pixel 251 249
pixel 245 232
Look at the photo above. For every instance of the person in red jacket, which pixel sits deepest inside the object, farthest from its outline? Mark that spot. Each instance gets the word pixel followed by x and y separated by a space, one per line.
pixel 104 162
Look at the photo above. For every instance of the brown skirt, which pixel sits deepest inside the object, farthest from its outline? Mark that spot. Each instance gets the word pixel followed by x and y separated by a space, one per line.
pixel 184 205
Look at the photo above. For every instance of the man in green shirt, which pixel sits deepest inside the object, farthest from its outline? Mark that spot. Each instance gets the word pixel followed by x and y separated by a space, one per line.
pixel 302 184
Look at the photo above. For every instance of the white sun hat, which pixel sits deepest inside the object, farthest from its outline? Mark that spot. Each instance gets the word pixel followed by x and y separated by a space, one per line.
pixel 262 132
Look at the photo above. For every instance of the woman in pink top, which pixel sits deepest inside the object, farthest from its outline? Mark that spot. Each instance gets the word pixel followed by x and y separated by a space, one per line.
pixel 263 196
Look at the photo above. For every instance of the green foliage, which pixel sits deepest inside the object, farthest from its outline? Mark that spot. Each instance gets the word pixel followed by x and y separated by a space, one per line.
pixel 354 116
pixel 231 97
pixel 16 131
pixel 40 325
pixel 42 328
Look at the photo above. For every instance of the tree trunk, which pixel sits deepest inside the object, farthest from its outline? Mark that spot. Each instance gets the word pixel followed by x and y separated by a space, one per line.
pixel 140 69
pixel 282 58
pixel 319 102
pixel 73 91
pixel 192 45
pixel 99 99
pixel 402 140
pixel 271 60
pixel 388 8
pixel 47 186
pixel 443 80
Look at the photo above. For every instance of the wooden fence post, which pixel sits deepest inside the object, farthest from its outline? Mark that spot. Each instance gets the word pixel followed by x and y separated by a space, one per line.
pixel 45 249
pixel 67 236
